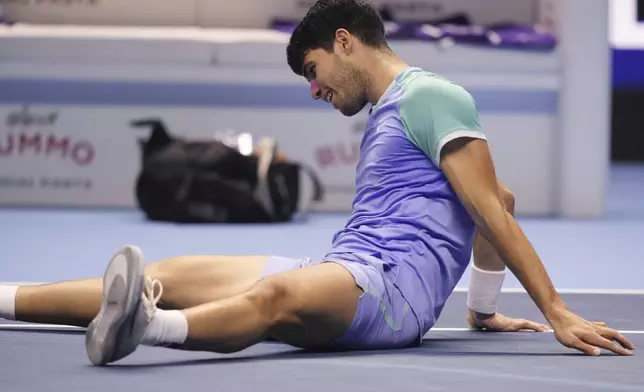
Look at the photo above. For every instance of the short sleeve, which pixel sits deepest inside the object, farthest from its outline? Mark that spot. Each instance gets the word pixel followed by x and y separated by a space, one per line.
pixel 436 111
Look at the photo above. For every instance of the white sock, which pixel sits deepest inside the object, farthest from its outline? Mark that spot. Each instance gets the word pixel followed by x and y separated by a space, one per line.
pixel 167 327
pixel 8 302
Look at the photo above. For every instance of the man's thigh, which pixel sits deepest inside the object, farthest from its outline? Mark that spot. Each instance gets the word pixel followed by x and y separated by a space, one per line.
pixel 344 305
pixel 197 279
pixel 318 305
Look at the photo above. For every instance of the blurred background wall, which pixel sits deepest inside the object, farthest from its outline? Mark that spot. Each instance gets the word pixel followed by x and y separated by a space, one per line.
pixel 559 84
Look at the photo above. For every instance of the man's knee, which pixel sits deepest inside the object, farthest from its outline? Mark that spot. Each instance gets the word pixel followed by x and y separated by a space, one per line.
pixel 508 198
pixel 164 270
pixel 170 273
pixel 274 299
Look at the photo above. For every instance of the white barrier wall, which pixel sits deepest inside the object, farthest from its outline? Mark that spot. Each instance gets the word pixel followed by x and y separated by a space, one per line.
pixel 240 13
pixel 585 102
pixel 624 30
pixel 68 94
pixel 258 13
pixel 103 12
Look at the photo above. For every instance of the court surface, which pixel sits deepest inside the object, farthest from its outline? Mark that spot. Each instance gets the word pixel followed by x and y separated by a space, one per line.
pixel 450 359
pixel 598 266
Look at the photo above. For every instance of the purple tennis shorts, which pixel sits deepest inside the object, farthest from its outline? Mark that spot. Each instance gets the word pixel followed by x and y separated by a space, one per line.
pixel 383 320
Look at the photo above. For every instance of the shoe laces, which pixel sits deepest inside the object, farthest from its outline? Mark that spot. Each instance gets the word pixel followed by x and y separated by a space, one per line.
pixel 152 298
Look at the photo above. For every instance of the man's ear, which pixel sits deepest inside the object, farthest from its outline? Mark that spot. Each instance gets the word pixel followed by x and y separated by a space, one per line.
pixel 343 41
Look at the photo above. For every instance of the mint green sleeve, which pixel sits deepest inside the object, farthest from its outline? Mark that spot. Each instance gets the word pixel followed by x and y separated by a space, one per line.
pixel 435 111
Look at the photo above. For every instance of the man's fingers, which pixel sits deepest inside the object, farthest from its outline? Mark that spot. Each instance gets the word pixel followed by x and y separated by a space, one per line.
pixel 605 341
pixel 531 325
pixel 600 341
pixel 599 324
pixel 572 340
pixel 584 347
pixel 513 325
pixel 612 334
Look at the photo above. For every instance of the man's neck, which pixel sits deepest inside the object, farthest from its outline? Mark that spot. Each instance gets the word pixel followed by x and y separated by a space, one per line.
pixel 382 71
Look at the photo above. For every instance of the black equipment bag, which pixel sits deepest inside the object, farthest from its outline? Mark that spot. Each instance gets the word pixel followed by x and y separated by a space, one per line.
pixel 210 182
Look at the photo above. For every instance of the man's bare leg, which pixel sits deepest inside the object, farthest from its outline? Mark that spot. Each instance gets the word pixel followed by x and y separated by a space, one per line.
pixel 65 303
pixel 188 281
pixel 307 307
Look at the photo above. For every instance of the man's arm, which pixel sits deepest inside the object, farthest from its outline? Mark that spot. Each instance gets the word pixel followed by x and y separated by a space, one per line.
pixel 486 280
pixel 470 170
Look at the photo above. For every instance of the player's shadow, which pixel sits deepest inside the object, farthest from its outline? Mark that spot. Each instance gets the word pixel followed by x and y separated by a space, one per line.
pixel 452 347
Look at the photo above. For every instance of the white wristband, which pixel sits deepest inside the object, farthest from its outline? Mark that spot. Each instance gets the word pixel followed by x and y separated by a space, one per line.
pixel 484 290
pixel 8 302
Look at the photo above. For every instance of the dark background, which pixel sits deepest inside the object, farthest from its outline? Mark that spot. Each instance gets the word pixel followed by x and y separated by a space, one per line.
pixel 628 102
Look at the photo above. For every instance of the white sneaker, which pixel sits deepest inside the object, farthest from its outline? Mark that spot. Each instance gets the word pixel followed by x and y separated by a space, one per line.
pixel 126 310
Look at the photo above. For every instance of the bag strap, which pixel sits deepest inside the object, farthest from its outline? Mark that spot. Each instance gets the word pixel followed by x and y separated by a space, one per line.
pixel 268 148
pixel 268 151
pixel 318 191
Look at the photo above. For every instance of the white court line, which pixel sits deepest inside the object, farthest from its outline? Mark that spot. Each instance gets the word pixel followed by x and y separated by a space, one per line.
pixel 506 290
pixel 68 328
pixel 512 290
pixel 40 327
pixel 438 329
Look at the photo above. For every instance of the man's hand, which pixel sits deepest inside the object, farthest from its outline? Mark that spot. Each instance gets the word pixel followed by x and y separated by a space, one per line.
pixel 572 331
pixel 500 323
pixel 588 337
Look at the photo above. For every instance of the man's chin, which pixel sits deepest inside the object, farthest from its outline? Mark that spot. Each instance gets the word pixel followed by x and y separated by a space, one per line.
pixel 350 112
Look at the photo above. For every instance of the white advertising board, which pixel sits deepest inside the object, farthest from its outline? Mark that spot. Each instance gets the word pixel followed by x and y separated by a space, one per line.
pixel 89 156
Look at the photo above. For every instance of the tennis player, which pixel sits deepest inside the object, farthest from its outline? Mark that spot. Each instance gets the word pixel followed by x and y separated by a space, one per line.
pixel 427 197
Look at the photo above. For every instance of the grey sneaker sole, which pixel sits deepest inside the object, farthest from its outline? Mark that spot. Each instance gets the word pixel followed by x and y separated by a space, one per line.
pixel 122 289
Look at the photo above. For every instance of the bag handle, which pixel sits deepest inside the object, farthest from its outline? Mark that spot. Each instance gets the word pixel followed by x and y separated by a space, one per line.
pixel 268 151
pixel 268 148
pixel 318 190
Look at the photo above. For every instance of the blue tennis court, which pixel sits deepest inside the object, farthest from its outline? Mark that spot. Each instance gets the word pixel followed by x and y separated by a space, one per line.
pixel 598 266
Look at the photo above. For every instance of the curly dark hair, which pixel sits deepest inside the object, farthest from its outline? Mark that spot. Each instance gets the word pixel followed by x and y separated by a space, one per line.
pixel 317 29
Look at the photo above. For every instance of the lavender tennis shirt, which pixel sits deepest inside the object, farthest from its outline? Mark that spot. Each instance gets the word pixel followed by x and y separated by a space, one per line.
pixel 405 213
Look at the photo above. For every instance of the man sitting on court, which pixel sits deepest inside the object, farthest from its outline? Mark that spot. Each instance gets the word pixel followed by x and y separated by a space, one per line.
pixel 426 198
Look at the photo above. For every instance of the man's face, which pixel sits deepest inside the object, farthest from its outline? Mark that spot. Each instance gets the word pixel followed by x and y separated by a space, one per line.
pixel 335 80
